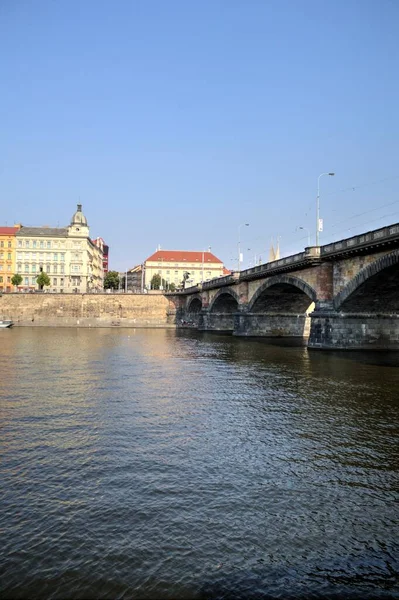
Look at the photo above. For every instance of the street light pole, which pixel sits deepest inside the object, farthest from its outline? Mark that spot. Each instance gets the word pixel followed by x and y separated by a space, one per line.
pixel 318 205
pixel 307 231
pixel 239 245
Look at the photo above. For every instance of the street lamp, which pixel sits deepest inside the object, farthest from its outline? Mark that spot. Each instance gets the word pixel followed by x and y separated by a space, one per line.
pixel 239 244
pixel 318 205
pixel 307 231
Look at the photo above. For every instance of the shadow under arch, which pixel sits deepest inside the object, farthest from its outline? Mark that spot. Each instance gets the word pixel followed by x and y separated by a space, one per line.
pixel 224 299
pixel 194 305
pixel 378 279
pixel 302 295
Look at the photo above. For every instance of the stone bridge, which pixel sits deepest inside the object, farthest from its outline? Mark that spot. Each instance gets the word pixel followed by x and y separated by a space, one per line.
pixel 343 295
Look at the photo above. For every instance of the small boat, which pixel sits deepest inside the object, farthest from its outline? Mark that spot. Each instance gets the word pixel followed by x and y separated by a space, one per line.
pixel 5 323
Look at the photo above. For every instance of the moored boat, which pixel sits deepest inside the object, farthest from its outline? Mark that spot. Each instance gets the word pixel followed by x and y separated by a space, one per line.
pixel 5 323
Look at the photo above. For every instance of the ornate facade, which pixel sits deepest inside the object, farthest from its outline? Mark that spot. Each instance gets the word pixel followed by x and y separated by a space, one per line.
pixel 67 254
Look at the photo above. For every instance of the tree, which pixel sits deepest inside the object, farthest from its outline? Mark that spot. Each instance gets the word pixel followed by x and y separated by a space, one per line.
pixel 111 280
pixel 42 280
pixel 156 282
pixel 16 279
pixel 172 287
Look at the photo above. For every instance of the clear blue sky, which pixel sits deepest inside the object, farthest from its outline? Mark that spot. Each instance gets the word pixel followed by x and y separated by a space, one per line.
pixel 173 121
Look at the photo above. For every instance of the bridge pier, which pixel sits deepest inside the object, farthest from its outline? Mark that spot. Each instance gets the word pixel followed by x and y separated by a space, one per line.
pixel 271 324
pixel 334 330
pixel 212 321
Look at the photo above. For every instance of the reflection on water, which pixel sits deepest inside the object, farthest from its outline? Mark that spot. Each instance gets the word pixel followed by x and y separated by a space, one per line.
pixel 162 464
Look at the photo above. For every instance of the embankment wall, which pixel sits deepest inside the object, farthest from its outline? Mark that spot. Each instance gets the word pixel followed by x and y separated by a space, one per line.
pixel 88 310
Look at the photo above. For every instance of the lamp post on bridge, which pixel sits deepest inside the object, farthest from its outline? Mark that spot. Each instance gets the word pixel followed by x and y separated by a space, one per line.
pixel 318 206
pixel 239 245
pixel 307 231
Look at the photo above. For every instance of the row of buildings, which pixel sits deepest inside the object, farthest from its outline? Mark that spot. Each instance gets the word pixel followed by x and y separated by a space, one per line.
pixel 73 261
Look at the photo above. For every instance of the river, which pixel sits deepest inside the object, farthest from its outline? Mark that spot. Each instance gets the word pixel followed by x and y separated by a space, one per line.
pixel 174 464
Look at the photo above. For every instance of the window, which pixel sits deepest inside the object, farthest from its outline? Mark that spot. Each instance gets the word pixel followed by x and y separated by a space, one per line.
pixel 8 267
pixel 55 281
pixel 26 243
pixel 33 268
pixel 55 256
pixel 176 272
pixel 176 264
pixel 34 243
pixel 62 257
pixel 61 281
pixel 167 272
pixel 19 243
pixel 1 244
pixel 27 255
pixel 33 280
pixel 1 267
pixel 9 244
pixel 26 268
pixel 1 255
pixel 19 267
pixel 54 268
pixel 9 255
pixel 19 255
pixel 48 244
pixel 48 267
pixel 159 272
pixel 1 279
pixel 41 256
pixel 26 280
pixel 33 255
pixel 41 244
pixel 62 269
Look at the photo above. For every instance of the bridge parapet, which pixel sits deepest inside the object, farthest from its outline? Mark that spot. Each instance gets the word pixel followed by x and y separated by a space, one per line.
pixel 221 281
pixel 302 259
pixel 362 242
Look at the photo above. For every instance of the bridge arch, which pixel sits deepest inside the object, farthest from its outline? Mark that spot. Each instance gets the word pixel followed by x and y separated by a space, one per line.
pixel 194 304
pixel 283 293
pixel 379 279
pixel 225 299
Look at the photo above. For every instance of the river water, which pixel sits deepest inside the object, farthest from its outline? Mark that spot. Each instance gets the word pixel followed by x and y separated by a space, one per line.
pixel 163 464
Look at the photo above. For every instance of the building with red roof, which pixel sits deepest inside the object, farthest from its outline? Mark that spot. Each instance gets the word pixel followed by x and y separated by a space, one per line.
pixel 174 266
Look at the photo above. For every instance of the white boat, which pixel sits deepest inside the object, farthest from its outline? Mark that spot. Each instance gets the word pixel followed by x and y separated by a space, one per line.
pixel 5 323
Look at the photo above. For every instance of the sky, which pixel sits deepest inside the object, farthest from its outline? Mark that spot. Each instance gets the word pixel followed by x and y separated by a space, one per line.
pixel 173 122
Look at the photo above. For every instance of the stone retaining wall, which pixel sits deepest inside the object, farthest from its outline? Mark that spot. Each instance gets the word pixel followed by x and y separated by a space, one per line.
pixel 88 310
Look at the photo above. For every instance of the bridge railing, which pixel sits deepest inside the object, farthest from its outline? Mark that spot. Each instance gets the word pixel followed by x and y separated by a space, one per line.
pixel 388 233
pixel 309 254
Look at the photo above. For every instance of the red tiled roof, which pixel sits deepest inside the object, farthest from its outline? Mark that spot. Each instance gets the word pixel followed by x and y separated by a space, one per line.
pixel 8 230
pixel 226 271
pixel 181 256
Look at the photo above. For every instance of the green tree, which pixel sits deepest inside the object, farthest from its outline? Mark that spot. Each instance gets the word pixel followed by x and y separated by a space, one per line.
pixel 156 282
pixel 42 280
pixel 172 287
pixel 111 280
pixel 16 279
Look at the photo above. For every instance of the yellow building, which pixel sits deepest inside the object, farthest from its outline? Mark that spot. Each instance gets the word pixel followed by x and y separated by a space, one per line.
pixel 172 264
pixel 7 257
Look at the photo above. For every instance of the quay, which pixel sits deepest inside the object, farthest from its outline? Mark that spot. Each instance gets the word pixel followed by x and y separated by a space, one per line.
pixel 343 295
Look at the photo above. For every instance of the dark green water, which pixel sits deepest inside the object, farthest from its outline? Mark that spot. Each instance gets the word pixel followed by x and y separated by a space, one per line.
pixel 162 464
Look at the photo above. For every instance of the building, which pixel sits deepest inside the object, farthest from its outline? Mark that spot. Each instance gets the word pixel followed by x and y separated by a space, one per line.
pixel 135 281
pixel 67 254
pixel 7 257
pixel 171 265
pixel 99 242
